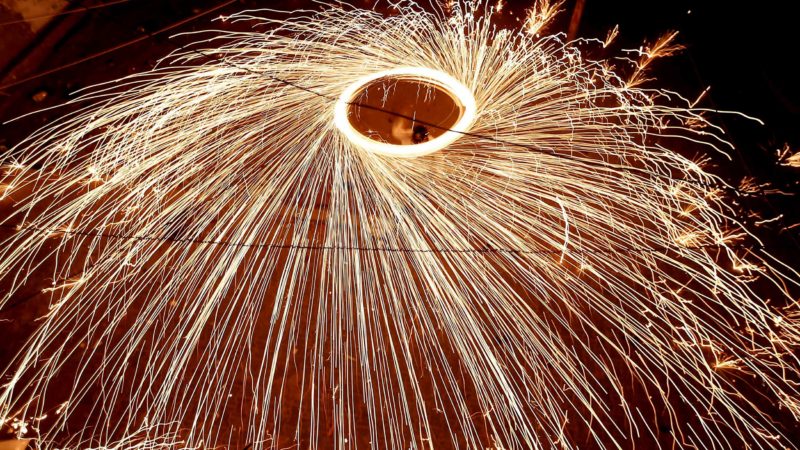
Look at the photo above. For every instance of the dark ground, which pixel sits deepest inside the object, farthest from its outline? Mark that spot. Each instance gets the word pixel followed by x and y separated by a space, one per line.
pixel 745 51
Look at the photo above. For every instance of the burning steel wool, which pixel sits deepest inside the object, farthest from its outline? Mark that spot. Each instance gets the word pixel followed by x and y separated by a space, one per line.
pixel 347 230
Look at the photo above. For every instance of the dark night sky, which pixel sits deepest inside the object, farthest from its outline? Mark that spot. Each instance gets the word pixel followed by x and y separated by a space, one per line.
pixel 744 50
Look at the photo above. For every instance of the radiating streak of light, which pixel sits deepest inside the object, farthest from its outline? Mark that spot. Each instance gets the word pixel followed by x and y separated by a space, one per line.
pixel 155 345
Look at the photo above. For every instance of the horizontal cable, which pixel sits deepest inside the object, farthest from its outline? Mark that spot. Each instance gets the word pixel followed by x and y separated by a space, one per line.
pixel 276 246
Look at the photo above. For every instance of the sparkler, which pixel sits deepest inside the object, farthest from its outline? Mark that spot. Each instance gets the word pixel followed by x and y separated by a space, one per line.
pixel 234 263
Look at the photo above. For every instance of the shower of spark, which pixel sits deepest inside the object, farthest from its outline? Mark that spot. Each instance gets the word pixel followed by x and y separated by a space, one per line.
pixel 230 271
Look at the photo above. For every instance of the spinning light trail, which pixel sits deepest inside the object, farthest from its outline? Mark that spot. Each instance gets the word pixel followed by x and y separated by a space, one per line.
pixel 342 113
pixel 236 263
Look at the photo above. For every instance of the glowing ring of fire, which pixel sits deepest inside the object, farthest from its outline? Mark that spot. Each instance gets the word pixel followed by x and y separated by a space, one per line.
pixel 440 79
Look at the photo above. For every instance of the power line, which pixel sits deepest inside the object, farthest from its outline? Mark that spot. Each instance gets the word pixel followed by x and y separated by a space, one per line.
pixel 276 246
pixel 145 36
pixel 79 9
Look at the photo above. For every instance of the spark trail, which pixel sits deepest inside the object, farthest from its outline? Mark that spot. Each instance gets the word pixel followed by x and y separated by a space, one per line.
pixel 229 269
